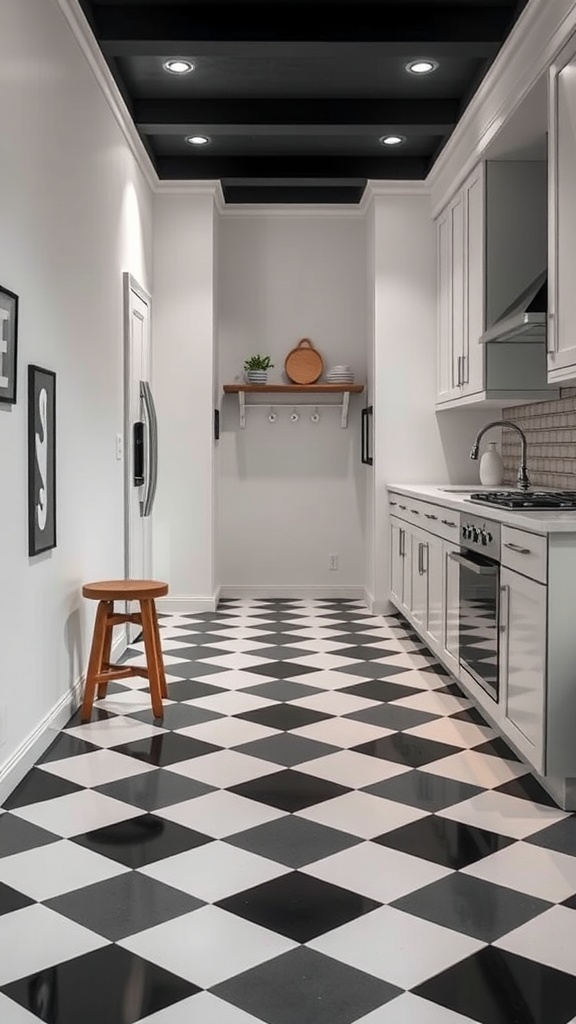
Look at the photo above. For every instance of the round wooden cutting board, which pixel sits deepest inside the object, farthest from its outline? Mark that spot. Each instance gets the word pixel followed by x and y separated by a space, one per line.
pixel 304 364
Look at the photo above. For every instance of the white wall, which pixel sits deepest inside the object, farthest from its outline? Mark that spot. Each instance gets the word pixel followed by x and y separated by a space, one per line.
pixel 75 213
pixel 412 444
pixel 291 494
pixel 183 328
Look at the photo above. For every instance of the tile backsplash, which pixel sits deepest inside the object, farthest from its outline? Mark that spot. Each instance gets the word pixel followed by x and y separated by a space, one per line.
pixel 550 429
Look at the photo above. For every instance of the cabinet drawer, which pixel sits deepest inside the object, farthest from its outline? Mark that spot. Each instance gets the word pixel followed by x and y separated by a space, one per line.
pixel 525 552
pixel 443 522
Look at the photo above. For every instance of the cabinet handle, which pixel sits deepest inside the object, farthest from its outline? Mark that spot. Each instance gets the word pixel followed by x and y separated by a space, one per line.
pixel 429 516
pixel 504 608
pixel 402 543
pixel 421 568
pixel 446 522
pixel 464 369
pixel 403 507
pixel 519 550
pixel 551 333
pixel 414 511
pixel 393 502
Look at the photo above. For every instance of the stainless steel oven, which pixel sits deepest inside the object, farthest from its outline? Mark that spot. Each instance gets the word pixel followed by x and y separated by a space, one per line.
pixel 478 615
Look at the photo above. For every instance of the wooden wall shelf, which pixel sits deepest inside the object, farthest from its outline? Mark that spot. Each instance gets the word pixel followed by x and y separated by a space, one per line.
pixel 292 389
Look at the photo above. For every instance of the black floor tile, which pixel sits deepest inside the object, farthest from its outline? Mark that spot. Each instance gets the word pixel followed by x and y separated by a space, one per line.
pixel 406 749
pixel 282 690
pixel 495 987
pixel 392 716
pixel 66 746
pixel 424 790
pixel 380 689
pixel 444 841
pixel 178 716
pixel 143 840
pixel 11 900
pixel 373 670
pixel 560 837
pixel 166 748
pixel 289 790
pixel 498 748
pixel 298 906
pixel 472 906
pixel 526 787
pixel 304 987
pixel 282 669
pixel 293 841
pixel 470 715
pixel 283 716
pixel 38 786
pixel 286 749
pixel 188 689
pixel 17 835
pixel 109 985
pixel 98 715
pixel 124 905
pixel 155 789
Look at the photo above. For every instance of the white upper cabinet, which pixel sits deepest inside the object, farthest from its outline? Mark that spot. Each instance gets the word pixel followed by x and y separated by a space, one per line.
pixel 562 237
pixel 491 245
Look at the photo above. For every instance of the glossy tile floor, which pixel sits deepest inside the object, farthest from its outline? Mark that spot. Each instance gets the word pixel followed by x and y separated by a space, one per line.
pixel 321 831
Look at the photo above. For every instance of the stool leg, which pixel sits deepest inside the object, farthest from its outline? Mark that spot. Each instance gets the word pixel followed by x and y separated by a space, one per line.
pixel 106 653
pixel 163 686
pixel 96 658
pixel 152 658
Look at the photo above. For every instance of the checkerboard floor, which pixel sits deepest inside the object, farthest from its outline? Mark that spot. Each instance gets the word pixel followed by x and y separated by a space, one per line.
pixel 322 830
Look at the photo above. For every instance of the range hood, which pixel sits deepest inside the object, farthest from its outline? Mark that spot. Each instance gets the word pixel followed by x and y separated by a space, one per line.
pixel 525 319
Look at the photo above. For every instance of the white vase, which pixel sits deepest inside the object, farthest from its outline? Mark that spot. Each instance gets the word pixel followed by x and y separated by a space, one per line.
pixel 491 467
pixel 257 376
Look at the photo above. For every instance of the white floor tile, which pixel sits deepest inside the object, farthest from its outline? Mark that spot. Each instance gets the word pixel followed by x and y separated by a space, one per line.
pixel 220 814
pixel 244 632
pixel 128 702
pixel 233 678
pixel 417 678
pixel 312 622
pixel 342 732
pixel 140 660
pixel 545 874
pixel 324 662
pixel 168 644
pixel 319 633
pixel 48 871
pixel 377 872
pixel 479 769
pixel 408 661
pixel 234 662
pixel 334 702
pixel 328 679
pixel 507 815
pixel 77 813
pixel 361 814
pixel 96 768
pixel 450 730
pixel 234 703
pixel 348 768
pixel 204 1008
pixel 224 768
pixel 214 871
pixel 228 732
pixel 549 939
pixel 435 703
pixel 396 947
pixel 36 938
pixel 114 731
pixel 208 946
pixel 321 646
pixel 410 1009
pixel 12 1013
pixel 236 646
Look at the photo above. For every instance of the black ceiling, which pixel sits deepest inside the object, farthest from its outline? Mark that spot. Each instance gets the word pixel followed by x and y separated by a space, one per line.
pixel 295 95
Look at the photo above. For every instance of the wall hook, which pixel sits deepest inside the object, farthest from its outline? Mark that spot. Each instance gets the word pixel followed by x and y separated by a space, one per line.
pixel 272 415
pixel 294 417
pixel 315 417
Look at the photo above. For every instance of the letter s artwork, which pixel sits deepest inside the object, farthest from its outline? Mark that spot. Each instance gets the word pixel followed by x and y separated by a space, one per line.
pixel 42 460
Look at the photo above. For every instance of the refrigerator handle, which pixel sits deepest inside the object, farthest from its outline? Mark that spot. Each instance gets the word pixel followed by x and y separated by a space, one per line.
pixel 152 475
pixel 368 456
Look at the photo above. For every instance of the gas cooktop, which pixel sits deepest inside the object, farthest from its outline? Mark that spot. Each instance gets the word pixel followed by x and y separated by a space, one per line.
pixel 527 500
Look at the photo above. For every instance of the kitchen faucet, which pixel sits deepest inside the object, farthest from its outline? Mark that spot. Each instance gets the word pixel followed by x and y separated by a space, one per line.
pixel 523 480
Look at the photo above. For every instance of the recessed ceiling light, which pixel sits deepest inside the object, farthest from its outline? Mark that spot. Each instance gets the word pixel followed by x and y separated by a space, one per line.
pixel 198 140
pixel 423 66
pixel 177 66
pixel 393 140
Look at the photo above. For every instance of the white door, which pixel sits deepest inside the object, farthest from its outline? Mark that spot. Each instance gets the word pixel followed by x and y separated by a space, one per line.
pixel 139 435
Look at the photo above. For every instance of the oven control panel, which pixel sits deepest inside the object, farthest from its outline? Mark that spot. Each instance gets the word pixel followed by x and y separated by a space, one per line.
pixel 482 535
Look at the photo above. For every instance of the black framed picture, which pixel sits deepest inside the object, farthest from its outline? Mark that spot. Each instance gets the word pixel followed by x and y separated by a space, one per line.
pixel 41 460
pixel 8 345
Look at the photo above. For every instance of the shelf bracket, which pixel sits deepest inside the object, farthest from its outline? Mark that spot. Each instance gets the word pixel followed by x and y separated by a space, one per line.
pixel 345 404
pixel 242 404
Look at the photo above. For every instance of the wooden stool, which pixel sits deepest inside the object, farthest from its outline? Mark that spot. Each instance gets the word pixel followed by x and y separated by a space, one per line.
pixel 100 671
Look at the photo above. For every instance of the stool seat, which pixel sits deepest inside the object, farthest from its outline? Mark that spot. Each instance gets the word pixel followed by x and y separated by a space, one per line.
pixel 125 590
pixel 100 669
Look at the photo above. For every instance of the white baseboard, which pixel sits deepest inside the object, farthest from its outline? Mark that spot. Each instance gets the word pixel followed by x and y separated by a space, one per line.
pixel 25 756
pixel 187 605
pixel 306 593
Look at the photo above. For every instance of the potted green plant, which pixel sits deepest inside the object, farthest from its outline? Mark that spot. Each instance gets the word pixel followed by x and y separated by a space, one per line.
pixel 256 369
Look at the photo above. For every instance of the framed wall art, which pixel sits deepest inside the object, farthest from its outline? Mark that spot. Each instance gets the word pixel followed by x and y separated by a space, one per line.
pixel 41 460
pixel 8 345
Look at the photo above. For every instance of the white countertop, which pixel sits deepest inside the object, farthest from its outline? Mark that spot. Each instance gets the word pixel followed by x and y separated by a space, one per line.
pixel 549 521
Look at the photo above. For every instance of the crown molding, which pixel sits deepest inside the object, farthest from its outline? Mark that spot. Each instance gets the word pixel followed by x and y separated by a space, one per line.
pixel 542 30
pixel 292 210
pixel 81 31
pixel 192 188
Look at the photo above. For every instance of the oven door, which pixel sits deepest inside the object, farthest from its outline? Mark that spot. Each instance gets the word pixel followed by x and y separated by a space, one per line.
pixel 478 618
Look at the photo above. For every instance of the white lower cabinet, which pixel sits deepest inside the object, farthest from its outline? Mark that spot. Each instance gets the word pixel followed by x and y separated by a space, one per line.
pixel 450 647
pixel 418 587
pixel 398 590
pixel 523 629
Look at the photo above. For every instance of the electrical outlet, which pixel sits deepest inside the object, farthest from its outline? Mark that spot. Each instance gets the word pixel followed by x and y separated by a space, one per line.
pixel 333 561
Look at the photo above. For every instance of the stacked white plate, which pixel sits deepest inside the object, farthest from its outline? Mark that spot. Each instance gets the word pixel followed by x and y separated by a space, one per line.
pixel 340 375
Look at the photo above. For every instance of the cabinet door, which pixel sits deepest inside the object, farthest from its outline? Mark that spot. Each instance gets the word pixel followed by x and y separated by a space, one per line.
pixel 562 240
pixel 472 372
pixel 397 558
pixel 458 256
pixel 450 646
pixel 445 384
pixel 434 572
pixel 419 578
pixel 523 662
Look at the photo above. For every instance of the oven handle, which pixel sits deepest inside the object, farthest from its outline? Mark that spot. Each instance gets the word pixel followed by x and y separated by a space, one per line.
pixel 480 570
